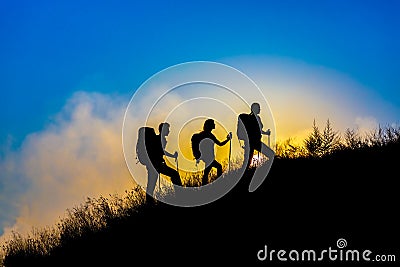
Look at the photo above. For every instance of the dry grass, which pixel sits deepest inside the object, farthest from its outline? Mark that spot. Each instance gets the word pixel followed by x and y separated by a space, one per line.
pixel 90 217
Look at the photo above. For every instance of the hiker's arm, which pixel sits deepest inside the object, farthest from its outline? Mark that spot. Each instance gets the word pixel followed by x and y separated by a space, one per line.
pixel 223 142
pixel 175 155
pixel 260 124
pixel 267 132
pixel 166 153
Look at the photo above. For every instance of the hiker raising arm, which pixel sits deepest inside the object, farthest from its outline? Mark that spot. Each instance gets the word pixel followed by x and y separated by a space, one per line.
pixel 207 154
pixel 216 141
pixel 163 128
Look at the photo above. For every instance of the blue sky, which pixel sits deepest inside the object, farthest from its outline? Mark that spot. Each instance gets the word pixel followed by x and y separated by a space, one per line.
pixel 84 59
pixel 50 49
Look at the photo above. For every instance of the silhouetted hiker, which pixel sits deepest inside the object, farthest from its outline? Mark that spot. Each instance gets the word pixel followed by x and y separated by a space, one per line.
pixel 250 129
pixel 150 150
pixel 203 149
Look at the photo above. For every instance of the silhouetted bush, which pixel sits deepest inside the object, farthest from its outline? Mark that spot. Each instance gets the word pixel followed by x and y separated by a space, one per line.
pixel 319 144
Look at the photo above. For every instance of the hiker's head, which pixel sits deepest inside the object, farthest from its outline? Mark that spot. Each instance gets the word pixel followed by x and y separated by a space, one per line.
pixel 163 128
pixel 209 125
pixel 255 108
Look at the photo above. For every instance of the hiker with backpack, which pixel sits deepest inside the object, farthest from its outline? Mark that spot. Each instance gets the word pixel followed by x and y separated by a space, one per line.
pixel 250 130
pixel 150 150
pixel 203 149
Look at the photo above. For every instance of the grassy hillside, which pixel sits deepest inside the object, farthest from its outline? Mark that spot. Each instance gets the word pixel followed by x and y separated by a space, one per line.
pixel 307 202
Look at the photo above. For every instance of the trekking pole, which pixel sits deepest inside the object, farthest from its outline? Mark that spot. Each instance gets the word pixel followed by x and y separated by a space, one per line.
pixel 230 151
pixel 269 138
pixel 159 183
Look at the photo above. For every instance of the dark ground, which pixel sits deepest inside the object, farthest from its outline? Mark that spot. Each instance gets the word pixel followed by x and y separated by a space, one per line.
pixel 303 204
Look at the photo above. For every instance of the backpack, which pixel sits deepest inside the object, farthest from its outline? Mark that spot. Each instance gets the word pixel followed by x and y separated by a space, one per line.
pixel 146 148
pixel 247 127
pixel 195 140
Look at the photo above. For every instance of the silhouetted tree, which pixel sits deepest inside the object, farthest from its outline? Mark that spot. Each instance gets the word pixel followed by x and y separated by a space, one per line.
pixel 384 136
pixel 318 144
pixel 352 139
pixel 313 143
pixel 331 140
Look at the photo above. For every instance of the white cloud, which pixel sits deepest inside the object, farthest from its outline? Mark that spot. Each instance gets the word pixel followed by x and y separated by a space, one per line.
pixel 79 155
pixel 366 124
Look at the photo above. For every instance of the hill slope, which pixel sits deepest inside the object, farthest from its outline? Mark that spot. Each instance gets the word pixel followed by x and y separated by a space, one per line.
pixel 303 204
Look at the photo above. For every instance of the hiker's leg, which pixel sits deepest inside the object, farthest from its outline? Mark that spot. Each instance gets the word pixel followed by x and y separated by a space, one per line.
pixel 246 148
pixel 205 174
pixel 248 154
pixel 267 151
pixel 265 165
pixel 175 178
pixel 152 176
pixel 263 169
pixel 218 166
